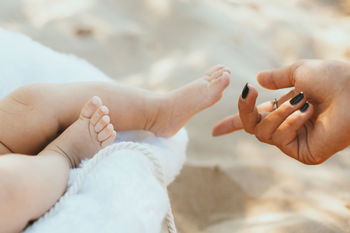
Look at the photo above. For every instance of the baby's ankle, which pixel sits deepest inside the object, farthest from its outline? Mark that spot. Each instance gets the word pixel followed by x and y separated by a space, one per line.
pixel 52 150
pixel 157 108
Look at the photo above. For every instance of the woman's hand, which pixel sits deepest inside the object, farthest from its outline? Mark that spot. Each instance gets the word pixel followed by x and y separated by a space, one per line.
pixel 312 121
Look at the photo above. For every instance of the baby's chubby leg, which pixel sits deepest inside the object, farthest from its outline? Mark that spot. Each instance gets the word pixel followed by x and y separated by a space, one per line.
pixel 30 185
pixel 134 108
pixel 34 114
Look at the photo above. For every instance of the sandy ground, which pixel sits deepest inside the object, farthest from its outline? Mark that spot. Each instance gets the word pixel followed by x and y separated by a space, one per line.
pixel 231 183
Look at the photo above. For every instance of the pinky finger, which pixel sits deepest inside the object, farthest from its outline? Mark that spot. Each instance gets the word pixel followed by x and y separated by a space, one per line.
pixel 285 137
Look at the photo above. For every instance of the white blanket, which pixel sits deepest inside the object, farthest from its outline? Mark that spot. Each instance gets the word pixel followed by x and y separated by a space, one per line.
pixel 120 193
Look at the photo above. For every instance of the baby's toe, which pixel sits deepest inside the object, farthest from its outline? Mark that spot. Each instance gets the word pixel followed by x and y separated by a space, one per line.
pixel 218 74
pixel 109 140
pixel 91 106
pixel 215 69
pixel 105 133
pixel 101 111
pixel 221 82
pixel 102 123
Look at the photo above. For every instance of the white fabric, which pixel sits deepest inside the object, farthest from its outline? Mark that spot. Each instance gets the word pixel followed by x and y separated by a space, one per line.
pixel 121 193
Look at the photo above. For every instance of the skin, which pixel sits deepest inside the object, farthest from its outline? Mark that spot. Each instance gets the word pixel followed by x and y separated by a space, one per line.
pixel 310 137
pixel 35 156
pixel 30 185
pixel 25 110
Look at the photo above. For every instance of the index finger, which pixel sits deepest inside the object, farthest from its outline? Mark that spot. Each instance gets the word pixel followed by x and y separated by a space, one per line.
pixel 248 112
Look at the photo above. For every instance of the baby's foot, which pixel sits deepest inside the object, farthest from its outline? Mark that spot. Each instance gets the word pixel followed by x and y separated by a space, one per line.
pixel 180 105
pixel 86 136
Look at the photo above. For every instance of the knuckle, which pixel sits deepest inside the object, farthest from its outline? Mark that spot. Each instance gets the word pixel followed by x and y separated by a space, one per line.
pixel 248 130
pixel 285 110
pixel 262 137
pixel 281 112
pixel 242 107
pixel 295 69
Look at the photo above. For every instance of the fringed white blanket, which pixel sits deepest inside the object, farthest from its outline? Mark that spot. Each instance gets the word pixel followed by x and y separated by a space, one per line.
pixel 123 188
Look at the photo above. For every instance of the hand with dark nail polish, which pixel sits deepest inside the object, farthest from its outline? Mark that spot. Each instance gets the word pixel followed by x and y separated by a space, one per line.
pixel 311 122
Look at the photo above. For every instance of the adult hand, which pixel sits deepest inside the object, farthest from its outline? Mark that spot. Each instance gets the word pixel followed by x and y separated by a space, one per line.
pixel 311 126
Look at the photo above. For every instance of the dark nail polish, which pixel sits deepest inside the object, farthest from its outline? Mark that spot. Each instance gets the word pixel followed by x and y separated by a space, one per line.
pixel 304 107
pixel 297 99
pixel 245 91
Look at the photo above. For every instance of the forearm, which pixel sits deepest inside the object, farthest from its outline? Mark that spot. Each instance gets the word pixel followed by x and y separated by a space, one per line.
pixel 30 185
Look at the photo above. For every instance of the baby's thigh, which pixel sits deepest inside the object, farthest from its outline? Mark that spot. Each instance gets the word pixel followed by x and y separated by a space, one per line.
pixel 25 127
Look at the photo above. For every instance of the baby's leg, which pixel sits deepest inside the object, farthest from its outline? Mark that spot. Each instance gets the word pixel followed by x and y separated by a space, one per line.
pixel 33 115
pixel 134 108
pixel 30 185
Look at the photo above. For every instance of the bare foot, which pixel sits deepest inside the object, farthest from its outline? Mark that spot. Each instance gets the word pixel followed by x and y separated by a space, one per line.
pixel 86 136
pixel 180 105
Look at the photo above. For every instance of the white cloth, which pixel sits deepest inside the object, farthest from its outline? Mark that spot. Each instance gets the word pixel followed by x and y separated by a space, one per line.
pixel 121 193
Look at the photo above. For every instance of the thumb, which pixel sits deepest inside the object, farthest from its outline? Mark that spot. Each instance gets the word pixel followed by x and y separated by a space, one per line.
pixel 278 78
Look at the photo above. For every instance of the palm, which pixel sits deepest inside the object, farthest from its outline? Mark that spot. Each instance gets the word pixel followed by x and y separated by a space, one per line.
pixel 327 131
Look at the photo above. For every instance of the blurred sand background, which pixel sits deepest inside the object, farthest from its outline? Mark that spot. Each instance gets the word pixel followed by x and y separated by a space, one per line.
pixel 232 183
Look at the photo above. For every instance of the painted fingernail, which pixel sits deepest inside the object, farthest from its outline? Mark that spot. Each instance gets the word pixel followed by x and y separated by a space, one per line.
pixel 297 98
pixel 304 107
pixel 245 91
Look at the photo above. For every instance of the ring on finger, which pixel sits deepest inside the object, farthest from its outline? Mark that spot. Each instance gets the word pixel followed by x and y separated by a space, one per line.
pixel 275 104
